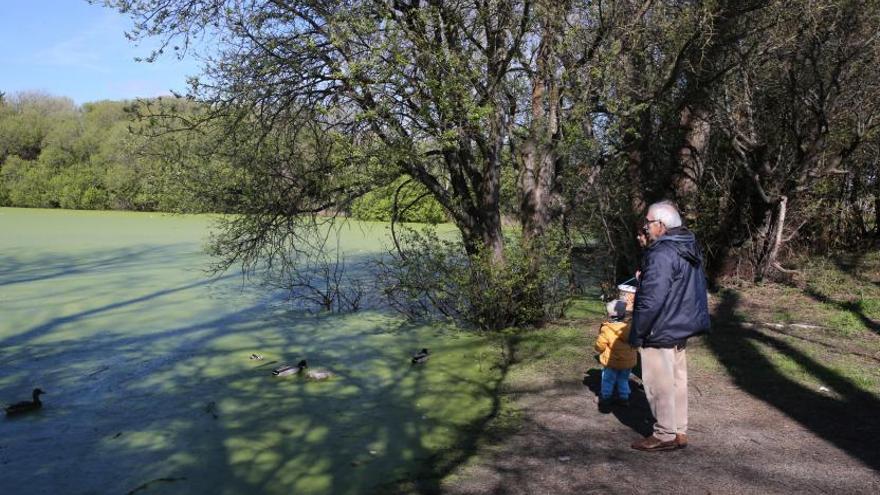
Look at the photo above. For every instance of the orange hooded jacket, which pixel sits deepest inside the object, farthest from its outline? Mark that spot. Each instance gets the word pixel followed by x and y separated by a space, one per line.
pixel 616 353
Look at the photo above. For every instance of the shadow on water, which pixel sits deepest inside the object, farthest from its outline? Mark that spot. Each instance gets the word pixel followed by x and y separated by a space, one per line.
pixel 467 439
pixel 45 328
pixel 150 389
pixel 850 422
pixel 17 269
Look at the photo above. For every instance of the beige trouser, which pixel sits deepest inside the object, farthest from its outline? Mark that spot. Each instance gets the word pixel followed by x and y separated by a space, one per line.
pixel 664 374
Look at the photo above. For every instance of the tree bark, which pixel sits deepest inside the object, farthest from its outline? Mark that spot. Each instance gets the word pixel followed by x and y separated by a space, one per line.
pixel 638 156
pixel 539 156
pixel 695 123
pixel 877 208
pixel 773 239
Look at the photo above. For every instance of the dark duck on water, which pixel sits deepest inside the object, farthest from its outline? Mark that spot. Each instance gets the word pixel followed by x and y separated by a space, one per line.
pixel 27 405
pixel 286 369
pixel 420 357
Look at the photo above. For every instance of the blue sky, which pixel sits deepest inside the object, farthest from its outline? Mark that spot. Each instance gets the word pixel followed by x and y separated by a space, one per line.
pixel 74 49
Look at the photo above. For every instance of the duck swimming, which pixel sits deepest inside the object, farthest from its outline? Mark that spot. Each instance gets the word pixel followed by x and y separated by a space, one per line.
pixel 420 357
pixel 315 374
pixel 286 369
pixel 26 406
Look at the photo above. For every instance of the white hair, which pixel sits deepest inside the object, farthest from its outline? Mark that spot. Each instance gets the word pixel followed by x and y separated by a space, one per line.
pixel 666 212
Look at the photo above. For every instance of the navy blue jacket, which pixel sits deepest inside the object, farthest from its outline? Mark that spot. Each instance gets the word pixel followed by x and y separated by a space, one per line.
pixel 671 302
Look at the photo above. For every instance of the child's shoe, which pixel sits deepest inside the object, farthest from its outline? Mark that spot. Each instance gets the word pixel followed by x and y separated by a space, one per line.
pixel 605 405
pixel 622 401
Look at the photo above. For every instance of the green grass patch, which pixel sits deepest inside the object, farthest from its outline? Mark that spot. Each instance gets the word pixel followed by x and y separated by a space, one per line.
pixel 550 350
pixel 842 321
pixel 784 316
pixel 866 378
pixel 841 296
pixel 586 307
pixel 870 306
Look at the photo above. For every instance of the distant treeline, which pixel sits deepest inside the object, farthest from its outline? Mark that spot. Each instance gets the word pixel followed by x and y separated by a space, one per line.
pixel 101 156
pixel 57 155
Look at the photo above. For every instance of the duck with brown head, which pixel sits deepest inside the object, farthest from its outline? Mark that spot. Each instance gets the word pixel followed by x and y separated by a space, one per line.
pixel 27 405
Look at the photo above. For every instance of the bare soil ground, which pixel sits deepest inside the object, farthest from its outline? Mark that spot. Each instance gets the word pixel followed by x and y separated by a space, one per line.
pixel 781 407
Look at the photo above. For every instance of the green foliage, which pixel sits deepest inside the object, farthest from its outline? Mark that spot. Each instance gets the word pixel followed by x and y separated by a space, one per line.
pixel 414 204
pixel 54 155
pixel 106 155
pixel 433 275
pixel 26 119
pixel 80 187
pixel 26 183
pixel 48 146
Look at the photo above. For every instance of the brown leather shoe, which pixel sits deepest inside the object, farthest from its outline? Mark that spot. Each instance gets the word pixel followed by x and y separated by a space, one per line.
pixel 654 444
pixel 681 440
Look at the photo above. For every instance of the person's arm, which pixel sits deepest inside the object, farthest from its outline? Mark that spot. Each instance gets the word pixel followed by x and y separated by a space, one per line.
pixel 653 290
pixel 602 340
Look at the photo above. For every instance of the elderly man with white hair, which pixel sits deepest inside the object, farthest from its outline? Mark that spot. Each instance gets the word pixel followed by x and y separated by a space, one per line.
pixel 671 306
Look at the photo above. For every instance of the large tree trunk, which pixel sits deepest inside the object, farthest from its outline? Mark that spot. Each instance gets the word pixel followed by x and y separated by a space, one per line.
pixel 634 167
pixel 772 240
pixel 492 236
pixel 481 229
pixel 539 156
pixel 536 186
pixel 695 124
pixel 877 208
pixel 636 138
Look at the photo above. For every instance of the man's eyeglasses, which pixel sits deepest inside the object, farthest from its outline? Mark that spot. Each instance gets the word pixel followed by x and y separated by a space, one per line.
pixel 648 224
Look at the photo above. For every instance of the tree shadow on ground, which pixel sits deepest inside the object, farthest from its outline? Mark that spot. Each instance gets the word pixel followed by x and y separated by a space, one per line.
pixel 850 423
pixel 855 308
pixel 854 264
pixel 638 415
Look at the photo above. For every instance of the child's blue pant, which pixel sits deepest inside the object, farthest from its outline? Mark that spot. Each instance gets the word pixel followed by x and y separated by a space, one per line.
pixel 612 377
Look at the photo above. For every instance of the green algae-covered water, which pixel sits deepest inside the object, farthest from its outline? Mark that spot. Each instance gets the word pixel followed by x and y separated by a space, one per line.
pixel 150 389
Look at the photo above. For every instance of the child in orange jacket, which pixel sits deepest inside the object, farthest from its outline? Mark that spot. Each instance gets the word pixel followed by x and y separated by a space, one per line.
pixel 618 358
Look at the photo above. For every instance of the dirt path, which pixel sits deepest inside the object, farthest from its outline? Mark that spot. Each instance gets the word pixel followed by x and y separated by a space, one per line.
pixel 746 436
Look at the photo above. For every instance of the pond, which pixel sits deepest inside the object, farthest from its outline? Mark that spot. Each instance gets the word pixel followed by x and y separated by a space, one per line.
pixel 150 389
